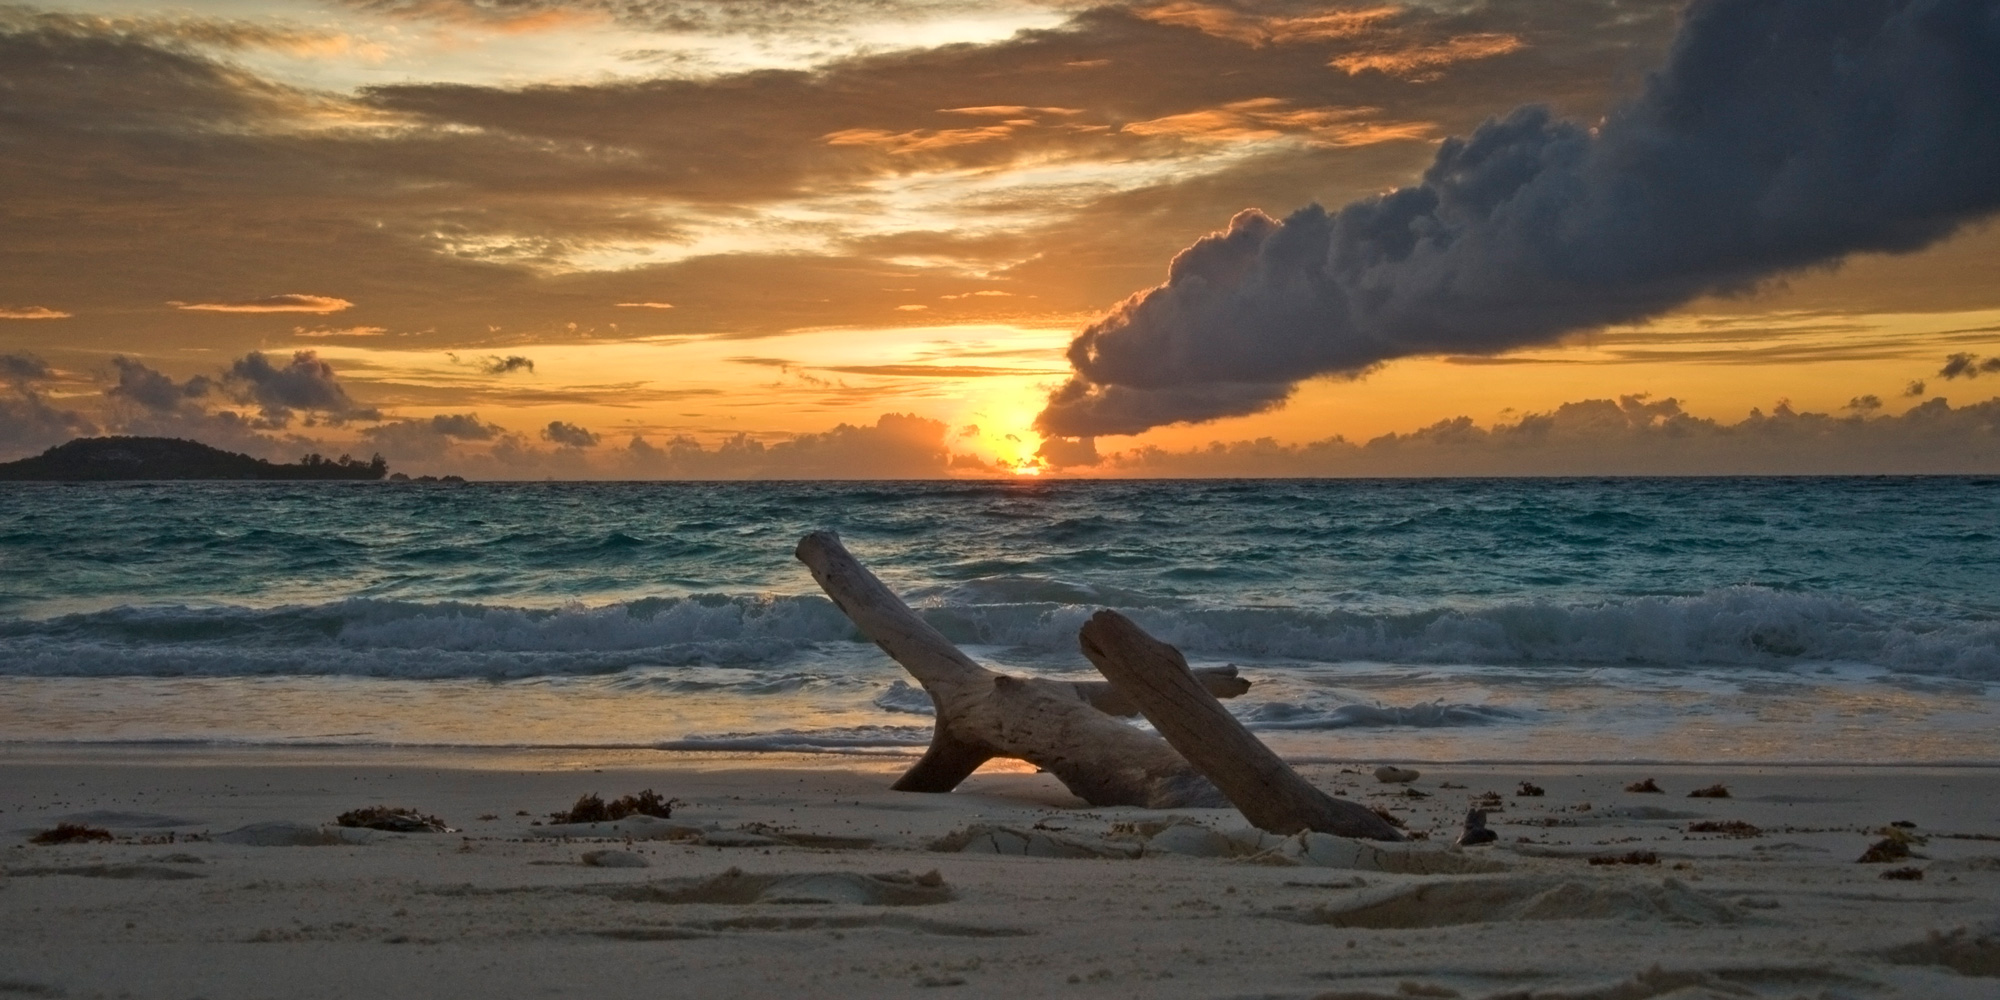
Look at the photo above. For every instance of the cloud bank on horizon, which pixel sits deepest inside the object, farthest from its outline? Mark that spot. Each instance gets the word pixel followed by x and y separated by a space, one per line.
pixel 1780 135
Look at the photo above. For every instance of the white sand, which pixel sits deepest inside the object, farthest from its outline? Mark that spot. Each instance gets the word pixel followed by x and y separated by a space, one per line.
pixel 501 910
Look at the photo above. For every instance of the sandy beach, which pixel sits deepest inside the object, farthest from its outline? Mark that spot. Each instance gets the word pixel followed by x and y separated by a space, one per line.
pixel 805 876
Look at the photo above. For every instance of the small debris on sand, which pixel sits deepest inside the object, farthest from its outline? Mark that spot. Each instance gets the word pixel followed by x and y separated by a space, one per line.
pixel 392 819
pixel 1715 791
pixel 1904 874
pixel 1388 817
pixel 1412 793
pixel 1389 774
pixel 70 833
pixel 1529 789
pixel 1884 851
pixel 1475 831
pixel 1731 827
pixel 591 809
pixel 614 859
pixel 1646 787
pixel 1628 858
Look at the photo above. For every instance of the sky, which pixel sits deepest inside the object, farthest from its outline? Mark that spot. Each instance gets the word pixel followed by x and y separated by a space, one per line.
pixel 914 238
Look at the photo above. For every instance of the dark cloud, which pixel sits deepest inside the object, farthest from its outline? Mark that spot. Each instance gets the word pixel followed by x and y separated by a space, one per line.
pixel 24 368
pixel 1966 365
pixel 1915 388
pixel 511 363
pixel 29 424
pixel 1632 435
pixel 153 389
pixel 427 440
pixel 1062 453
pixel 1781 134
pixel 568 435
pixel 304 383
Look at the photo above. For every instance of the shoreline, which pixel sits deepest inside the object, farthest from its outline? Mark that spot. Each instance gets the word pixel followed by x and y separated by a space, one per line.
pixel 888 759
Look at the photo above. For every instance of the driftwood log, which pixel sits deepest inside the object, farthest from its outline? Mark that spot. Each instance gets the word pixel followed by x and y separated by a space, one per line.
pixel 983 714
pixel 1263 787
pixel 1068 728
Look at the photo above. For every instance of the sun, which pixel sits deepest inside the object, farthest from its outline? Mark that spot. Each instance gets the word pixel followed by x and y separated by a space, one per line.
pixel 1027 468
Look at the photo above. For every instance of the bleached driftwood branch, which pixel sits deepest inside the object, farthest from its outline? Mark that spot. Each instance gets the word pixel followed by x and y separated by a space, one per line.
pixel 1271 795
pixel 982 714
pixel 1067 727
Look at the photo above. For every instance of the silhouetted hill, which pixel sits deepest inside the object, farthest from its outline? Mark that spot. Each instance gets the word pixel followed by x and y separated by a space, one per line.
pixel 172 458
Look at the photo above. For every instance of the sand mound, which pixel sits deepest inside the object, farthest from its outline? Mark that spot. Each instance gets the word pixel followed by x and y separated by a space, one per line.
pixel 285 833
pixel 981 838
pixel 1969 951
pixel 1188 838
pixel 1480 901
pixel 734 888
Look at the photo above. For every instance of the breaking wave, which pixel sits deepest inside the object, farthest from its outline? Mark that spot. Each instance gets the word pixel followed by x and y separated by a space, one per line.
pixel 1738 626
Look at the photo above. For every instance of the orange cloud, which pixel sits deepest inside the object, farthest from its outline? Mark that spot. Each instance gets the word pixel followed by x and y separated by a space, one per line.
pixel 922 140
pixel 350 331
pixel 31 312
pixel 1009 111
pixel 1270 118
pixel 645 305
pixel 1424 62
pixel 938 371
pixel 290 302
pixel 1254 30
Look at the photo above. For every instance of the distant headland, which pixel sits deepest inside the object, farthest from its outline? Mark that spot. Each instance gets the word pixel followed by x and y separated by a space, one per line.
pixel 112 458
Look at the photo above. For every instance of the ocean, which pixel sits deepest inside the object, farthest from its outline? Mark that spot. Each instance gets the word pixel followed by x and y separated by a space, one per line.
pixel 1833 620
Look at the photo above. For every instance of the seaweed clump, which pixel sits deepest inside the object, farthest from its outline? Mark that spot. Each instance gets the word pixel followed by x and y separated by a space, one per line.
pixel 592 809
pixel 1646 787
pixel 393 820
pixel 70 833
pixel 1715 791
pixel 1628 858
pixel 1731 827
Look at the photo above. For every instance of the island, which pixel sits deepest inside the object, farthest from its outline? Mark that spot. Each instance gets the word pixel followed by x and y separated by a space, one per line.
pixel 127 458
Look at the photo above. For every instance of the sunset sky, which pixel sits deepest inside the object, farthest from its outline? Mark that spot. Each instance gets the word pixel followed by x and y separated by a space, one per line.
pixel 713 238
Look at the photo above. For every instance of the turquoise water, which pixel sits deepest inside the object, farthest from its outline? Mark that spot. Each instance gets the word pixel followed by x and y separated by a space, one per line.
pixel 1685 619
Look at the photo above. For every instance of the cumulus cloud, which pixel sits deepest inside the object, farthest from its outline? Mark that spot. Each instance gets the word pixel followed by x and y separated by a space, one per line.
pixel 29 424
pixel 1631 435
pixel 1966 365
pixel 153 389
pixel 896 446
pixel 414 439
pixel 304 383
pixel 291 302
pixel 1780 135
pixel 31 312
pixel 24 368
pixel 568 435
pixel 510 363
